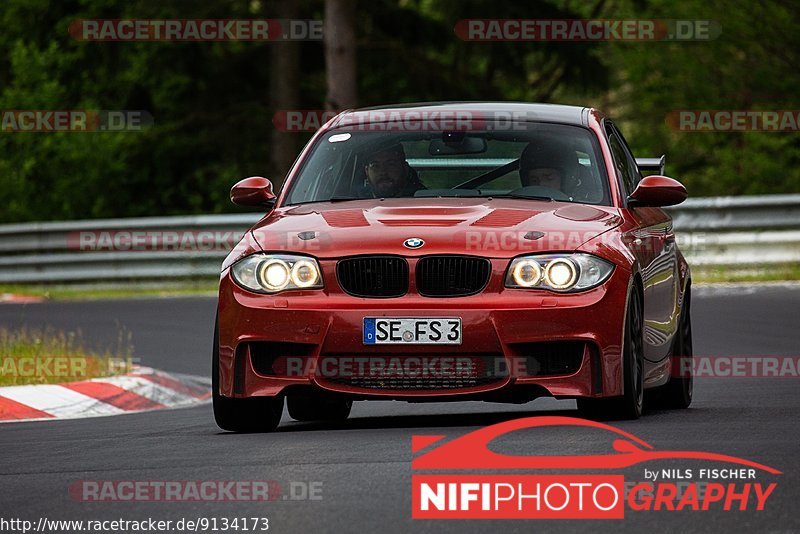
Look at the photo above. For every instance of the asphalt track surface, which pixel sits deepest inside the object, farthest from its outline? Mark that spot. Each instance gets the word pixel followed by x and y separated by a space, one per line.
pixel 364 465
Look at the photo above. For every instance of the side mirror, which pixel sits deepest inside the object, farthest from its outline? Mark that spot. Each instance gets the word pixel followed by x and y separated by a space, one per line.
pixel 253 191
pixel 657 191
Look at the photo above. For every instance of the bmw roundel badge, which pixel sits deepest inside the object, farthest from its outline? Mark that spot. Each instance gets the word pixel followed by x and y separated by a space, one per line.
pixel 413 242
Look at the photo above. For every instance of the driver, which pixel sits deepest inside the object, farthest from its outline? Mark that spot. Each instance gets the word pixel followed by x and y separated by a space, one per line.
pixel 388 173
pixel 550 164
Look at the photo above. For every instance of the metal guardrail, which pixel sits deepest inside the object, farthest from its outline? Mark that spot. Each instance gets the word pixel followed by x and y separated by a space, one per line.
pixel 710 231
pixel 49 252
pixel 751 213
pixel 739 231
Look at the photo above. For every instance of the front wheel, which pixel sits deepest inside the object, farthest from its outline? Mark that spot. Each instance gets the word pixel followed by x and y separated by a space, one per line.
pixel 677 393
pixel 630 404
pixel 254 414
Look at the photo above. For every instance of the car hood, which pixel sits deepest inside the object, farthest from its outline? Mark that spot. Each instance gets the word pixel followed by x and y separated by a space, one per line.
pixel 495 227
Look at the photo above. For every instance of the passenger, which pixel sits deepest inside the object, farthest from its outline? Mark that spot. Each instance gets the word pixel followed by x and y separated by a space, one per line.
pixel 549 164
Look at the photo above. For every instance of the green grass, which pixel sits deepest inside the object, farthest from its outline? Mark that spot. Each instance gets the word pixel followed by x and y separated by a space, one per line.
pixel 751 273
pixel 50 356
pixel 113 291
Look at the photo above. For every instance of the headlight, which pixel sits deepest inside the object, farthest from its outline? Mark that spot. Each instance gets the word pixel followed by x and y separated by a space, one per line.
pixel 269 273
pixel 558 272
pixel 305 273
pixel 526 272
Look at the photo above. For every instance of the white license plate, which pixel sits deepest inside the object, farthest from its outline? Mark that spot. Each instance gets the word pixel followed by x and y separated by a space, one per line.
pixel 412 331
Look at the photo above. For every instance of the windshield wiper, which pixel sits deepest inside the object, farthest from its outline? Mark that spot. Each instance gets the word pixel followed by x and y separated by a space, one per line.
pixel 523 195
pixel 342 198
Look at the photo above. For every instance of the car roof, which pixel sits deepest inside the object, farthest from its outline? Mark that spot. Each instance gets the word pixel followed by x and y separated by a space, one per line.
pixel 557 113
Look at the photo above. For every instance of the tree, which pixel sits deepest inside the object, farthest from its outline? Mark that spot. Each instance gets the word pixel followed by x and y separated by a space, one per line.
pixel 284 93
pixel 340 54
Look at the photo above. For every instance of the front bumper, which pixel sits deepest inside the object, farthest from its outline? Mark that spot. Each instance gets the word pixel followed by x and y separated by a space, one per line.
pixel 258 334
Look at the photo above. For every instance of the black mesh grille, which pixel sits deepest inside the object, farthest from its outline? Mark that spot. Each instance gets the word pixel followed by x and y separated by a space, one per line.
pixel 279 358
pixel 452 276
pixel 373 276
pixel 553 358
pixel 409 373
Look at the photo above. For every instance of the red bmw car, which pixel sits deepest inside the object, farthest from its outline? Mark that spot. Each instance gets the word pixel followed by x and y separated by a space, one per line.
pixel 457 251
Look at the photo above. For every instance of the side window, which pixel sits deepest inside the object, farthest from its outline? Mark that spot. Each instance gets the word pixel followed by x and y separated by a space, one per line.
pixel 621 162
pixel 634 168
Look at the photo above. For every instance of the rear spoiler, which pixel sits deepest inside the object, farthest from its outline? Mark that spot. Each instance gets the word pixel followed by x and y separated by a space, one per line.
pixel 651 164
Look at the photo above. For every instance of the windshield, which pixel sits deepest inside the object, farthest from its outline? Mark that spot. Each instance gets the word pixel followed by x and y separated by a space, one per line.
pixel 533 160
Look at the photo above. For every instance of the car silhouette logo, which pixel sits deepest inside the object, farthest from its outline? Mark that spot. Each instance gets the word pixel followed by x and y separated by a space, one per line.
pixel 471 450
pixel 413 242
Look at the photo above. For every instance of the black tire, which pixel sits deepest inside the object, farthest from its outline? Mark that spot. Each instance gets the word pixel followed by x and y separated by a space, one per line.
pixel 677 393
pixel 316 409
pixel 254 414
pixel 631 403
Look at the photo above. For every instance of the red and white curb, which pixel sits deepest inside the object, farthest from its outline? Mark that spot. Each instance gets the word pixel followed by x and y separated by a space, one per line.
pixel 143 389
pixel 13 298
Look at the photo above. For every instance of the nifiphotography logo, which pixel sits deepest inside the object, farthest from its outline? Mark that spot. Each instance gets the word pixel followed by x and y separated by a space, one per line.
pixel 451 489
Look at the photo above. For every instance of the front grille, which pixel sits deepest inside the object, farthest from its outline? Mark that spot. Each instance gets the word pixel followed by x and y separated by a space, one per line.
pixel 373 276
pixel 452 276
pixel 414 373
